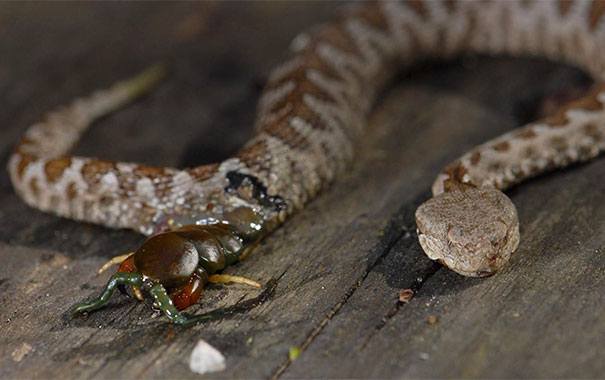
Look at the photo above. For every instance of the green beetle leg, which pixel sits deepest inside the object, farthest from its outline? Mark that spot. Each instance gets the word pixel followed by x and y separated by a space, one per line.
pixel 120 278
pixel 163 302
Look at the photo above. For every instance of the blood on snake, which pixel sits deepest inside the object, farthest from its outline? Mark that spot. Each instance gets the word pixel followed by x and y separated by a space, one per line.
pixel 311 113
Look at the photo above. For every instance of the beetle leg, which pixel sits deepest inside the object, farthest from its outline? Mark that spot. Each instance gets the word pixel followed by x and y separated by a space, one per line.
pixel 120 278
pixel 126 266
pixel 163 302
pixel 227 278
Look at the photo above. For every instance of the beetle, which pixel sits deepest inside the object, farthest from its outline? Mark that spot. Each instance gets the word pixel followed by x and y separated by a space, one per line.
pixel 174 266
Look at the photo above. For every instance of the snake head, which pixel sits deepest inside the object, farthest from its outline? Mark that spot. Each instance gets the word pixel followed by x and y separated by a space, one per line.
pixel 472 231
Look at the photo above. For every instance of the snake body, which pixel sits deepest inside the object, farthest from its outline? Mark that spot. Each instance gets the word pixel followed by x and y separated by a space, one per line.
pixel 314 109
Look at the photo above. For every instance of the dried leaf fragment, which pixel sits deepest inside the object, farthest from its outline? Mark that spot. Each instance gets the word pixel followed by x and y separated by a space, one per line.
pixel 406 295
pixel 20 352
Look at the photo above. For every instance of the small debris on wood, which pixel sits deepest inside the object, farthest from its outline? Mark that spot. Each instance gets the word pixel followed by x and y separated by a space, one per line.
pixel 21 352
pixel 432 320
pixel 294 353
pixel 206 359
pixel 406 295
pixel 424 356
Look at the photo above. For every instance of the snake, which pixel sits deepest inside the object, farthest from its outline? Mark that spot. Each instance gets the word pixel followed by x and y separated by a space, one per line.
pixel 311 116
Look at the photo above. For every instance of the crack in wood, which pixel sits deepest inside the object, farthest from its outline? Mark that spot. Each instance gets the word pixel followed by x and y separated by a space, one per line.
pixel 401 226
pixel 415 286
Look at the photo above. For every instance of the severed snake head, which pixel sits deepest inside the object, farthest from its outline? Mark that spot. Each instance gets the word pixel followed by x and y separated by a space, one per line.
pixel 472 231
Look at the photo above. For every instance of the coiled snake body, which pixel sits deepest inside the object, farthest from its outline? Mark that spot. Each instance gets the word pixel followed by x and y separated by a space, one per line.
pixel 314 109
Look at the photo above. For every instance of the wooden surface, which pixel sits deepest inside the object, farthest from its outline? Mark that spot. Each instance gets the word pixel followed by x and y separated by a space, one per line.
pixel 340 264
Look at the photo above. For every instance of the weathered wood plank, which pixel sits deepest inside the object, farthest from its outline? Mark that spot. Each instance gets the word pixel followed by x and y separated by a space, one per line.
pixel 540 317
pixel 341 262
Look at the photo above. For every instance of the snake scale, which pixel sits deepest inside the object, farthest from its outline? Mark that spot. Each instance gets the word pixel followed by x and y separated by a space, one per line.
pixel 314 109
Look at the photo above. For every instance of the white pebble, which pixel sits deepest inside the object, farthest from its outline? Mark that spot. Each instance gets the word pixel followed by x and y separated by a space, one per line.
pixel 205 359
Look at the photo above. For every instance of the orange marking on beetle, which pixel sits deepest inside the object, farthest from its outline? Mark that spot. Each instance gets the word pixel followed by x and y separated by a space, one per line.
pixel 127 266
pixel 188 294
